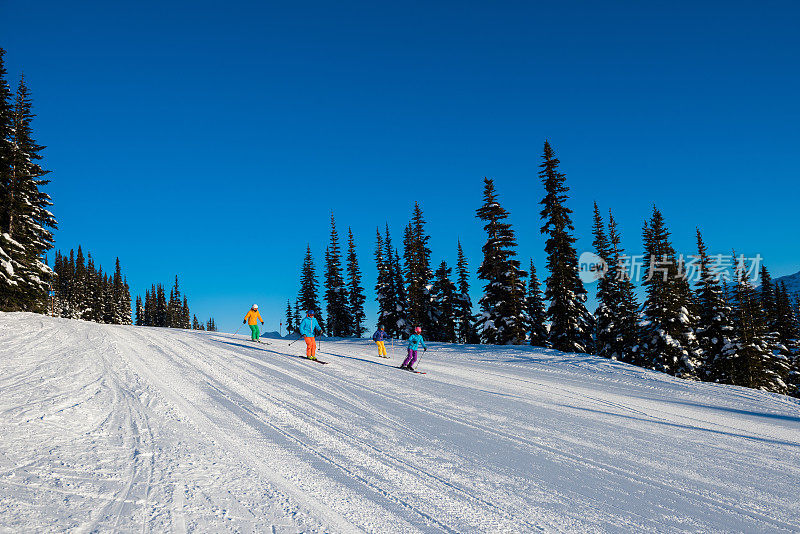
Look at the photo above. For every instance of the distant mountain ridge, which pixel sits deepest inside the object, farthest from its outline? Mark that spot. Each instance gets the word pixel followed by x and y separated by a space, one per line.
pixel 792 282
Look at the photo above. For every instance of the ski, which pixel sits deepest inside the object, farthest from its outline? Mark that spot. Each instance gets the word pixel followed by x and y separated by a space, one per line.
pixel 410 371
pixel 316 361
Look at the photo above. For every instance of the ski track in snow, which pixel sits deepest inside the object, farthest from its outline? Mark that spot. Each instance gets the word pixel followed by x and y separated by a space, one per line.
pixel 131 429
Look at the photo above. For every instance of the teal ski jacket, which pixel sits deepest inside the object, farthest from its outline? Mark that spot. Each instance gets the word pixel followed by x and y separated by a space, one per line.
pixel 308 326
pixel 415 341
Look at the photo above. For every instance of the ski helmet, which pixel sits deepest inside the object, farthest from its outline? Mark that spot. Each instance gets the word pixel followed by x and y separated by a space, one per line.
pixel 418 330
pixel 310 312
pixel 255 306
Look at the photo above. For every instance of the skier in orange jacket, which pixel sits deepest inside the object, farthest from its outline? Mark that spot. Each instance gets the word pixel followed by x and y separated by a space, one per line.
pixel 252 318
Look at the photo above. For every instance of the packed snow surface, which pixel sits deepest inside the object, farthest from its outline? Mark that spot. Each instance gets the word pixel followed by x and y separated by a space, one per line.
pixel 119 428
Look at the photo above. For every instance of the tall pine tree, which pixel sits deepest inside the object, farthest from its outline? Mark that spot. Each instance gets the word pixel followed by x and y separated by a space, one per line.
pixel 753 364
pixel 605 325
pixel 443 296
pixel 715 321
pixel 390 288
pixel 339 320
pixel 289 318
pixel 625 315
pixel 308 297
pixel 25 219
pixel 355 291
pixel 571 324
pixel 503 320
pixel 462 306
pixel 668 339
pixel 537 318
pixel 417 257
pixel 383 281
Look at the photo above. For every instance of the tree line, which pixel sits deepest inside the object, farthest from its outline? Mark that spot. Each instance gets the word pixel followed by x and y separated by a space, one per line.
pixel 81 290
pixel 707 330
pixel 155 309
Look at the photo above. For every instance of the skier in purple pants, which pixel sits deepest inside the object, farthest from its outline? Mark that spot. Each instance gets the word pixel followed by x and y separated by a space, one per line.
pixel 414 342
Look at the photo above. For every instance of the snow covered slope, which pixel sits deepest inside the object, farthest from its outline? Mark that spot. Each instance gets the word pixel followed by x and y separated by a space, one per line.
pixel 124 428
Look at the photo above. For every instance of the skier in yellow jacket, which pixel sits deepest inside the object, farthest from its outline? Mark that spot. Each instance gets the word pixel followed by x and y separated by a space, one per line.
pixel 252 318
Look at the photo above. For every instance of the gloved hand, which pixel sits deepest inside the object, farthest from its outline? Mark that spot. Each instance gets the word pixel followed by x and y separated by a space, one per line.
pixel 244 321
pixel 262 323
pixel 424 349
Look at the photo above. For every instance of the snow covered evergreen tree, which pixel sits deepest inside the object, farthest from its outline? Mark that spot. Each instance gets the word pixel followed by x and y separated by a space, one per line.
pixel 11 252
pixel 339 320
pixel 669 344
pixel 616 319
pixel 605 324
pixel 768 304
pixel 95 299
pixel 754 363
pixel 140 312
pixel 81 293
pixel 174 310
pixel 148 309
pixel 121 297
pixel 625 314
pixel 443 296
pixel 107 292
pixel 289 318
pixel 786 321
pixel 25 220
pixel 297 317
pixel 382 283
pixel 161 312
pixel 399 317
pixel 462 303
pixel 715 334
pixel 571 324
pixel 390 287
pixel 186 321
pixel 537 318
pixel 307 297
pixel 503 320
pixel 417 258
pixel 355 291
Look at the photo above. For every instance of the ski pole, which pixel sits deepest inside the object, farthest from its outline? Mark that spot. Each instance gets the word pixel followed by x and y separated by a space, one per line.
pixel 295 341
pixel 237 330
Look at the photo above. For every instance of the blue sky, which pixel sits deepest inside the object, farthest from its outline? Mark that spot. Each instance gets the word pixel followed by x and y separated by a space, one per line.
pixel 213 139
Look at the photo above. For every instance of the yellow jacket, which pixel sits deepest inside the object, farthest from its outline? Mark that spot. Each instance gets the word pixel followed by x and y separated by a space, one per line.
pixel 253 317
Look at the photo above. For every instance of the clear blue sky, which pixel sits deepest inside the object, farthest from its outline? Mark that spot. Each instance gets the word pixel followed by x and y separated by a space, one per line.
pixel 212 139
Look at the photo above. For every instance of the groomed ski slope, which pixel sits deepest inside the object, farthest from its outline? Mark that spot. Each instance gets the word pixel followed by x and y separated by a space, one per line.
pixel 111 428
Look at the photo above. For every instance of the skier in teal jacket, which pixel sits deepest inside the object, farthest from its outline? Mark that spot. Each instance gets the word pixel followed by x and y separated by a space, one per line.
pixel 308 329
pixel 414 343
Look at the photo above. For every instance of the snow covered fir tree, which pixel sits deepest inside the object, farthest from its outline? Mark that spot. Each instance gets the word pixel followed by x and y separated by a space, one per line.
pixel 616 316
pixel 355 291
pixel 308 296
pixel 26 222
pixel 503 319
pixel 340 321
pixel 418 274
pixel 669 343
pixel 571 324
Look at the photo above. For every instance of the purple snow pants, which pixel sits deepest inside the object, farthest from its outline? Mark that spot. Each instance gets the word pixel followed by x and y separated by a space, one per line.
pixel 411 359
